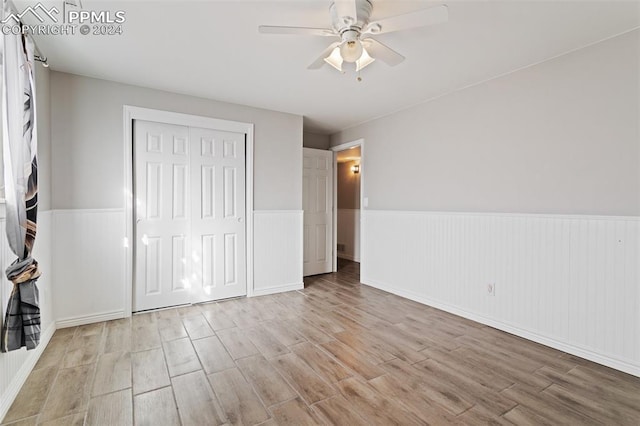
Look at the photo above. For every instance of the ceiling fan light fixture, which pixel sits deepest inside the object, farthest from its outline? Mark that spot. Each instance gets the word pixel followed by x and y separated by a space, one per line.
pixel 365 59
pixel 335 59
pixel 351 50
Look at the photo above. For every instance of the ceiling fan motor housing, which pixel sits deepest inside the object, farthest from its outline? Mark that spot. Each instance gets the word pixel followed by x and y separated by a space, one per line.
pixel 344 24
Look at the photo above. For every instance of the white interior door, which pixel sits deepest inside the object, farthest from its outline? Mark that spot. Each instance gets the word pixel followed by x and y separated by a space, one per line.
pixel 317 196
pixel 217 221
pixel 162 215
pixel 190 205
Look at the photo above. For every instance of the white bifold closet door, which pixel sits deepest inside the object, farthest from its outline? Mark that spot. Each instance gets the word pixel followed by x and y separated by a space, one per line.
pixel 190 215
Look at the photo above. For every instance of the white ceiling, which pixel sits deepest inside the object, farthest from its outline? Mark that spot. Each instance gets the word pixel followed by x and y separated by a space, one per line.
pixel 212 49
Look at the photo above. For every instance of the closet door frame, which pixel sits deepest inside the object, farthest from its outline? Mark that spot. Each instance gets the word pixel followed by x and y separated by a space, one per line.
pixel 131 113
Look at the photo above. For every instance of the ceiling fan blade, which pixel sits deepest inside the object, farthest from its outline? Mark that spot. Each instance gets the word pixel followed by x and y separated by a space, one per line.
pixel 378 50
pixel 348 9
pixel 421 18
pixel 270 29
pixel 318 63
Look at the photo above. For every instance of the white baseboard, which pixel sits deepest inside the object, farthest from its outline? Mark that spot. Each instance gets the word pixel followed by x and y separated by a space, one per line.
pixel 348 257
pixel 89 319
pixel 279 289
pixel 543 340
pixel 21 377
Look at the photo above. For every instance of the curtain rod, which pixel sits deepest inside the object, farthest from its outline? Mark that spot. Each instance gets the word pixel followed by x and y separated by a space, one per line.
pixel 40 57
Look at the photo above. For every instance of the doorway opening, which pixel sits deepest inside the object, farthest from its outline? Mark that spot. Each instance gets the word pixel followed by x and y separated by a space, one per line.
pixel 348 168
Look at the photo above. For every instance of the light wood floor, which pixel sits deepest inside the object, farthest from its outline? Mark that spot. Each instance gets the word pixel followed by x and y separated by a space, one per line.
pixel 336 353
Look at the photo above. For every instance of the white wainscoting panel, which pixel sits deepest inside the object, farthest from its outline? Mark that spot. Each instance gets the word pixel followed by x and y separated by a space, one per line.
pixel 88 266
pixel 277 251
pixel 349 233
pixel 15 366
pixel 570 282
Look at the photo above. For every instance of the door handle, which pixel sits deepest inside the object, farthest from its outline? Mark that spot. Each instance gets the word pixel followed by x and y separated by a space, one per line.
pixel 240 219
pixel 138 220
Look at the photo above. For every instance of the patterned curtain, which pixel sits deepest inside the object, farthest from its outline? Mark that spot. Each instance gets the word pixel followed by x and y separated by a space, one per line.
pixel 21 326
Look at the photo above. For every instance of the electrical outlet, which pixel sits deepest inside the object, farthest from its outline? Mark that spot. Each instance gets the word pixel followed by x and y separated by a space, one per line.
pixel 491 289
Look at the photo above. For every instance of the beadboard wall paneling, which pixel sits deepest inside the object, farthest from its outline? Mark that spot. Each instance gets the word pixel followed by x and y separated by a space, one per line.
pixel 277 251
pixel 571 282
pixel 349 233
pixel 88 263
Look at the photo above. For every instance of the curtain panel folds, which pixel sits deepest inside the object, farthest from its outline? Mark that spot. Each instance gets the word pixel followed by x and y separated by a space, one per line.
pixel 21 326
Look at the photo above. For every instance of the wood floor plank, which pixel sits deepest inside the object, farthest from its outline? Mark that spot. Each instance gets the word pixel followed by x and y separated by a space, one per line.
pixel 473 370
pixel 118 339
pixel 371 349
pixel 266 380
pixel 216 317
pixel 113 373
pixel 143 319
pixel 266 342
pixel 197 404
pixel 69 393
pixel 412 397
pixel 181 357
pixel 613 396
pixel 377 408
pixel 396 350
pixel 171 328
pixel 294 413
pixel 197 326
pixel 83 350
pixel 504 368
pixel 145 337
pixel 111 409
pixel 507 356
pixel 521 415
pixel 336 410
pixel 284 333
pixel 239 402
pixel 479 416
pixel 596 409
pixel 77 419
pixel 90 329
pixel 55 351
pixel 213 355
pixel 309 331
pixel 546 407
pixel 33 395
pixel 467 388
pixel 121 323
pixel 157 407
pixel 237 343
pixel 353 360
pixel 399 337
pixel 322 322
pixel 149 371
pixel 433 389
pixel 324 365
pixel 311 387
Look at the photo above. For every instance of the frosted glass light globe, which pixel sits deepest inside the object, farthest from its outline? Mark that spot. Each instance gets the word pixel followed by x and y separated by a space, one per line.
pixel 351 50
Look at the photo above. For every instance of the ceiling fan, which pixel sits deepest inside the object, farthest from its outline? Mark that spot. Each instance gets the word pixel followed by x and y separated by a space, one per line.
pixel 351 24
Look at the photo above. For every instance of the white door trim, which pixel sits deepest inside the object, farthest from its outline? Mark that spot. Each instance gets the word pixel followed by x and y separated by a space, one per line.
pixel 131 113
pixel 336 149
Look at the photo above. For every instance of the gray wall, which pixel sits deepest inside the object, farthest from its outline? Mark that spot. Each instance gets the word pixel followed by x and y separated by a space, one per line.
pixel 559 137
pixel 314 140
pixel 88 156
pixel 348 186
